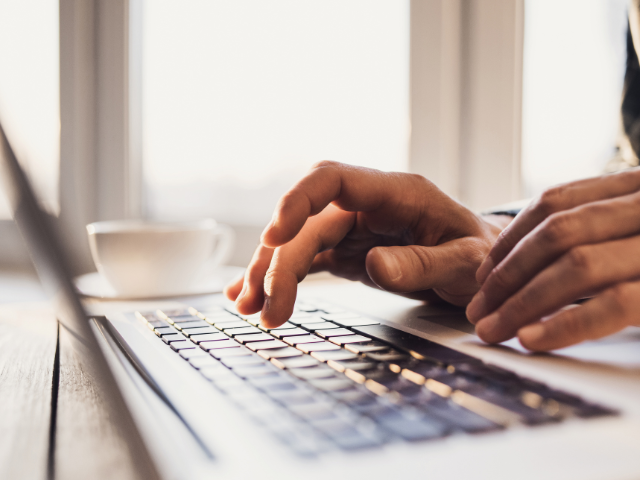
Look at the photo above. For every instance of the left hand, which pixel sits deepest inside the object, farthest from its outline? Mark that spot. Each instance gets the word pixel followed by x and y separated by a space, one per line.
pixel 576 241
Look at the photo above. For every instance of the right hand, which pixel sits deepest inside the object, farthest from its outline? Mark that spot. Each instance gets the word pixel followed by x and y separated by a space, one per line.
pixel 393 231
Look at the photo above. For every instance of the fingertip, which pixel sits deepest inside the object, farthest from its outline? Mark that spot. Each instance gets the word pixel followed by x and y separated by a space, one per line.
pixel 532 337
pixel 488 329
pixel 233 288
pixel 383 267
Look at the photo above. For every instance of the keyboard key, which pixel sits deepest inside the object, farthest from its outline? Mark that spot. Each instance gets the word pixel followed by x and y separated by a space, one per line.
pixel 290 332
pixel 187 354
pixel 361 348
pixel 293 397
pixel 253 337
pixel 331 384
pixel 196 324
pixel 209 337
pixel 247 329
pixel 355 365
pixel 162 331
pixel 334 355
pixel 229 352
pixel 314 411
pixel 182 345
pixel 266 345
pixel 411 428
pixel 357 322
pixel 295 362
pixel 336 317
pixel 231 324
pixel 348 339
pixel 177 320
pixel 312 327
pixel 310 373
pixel 202 361
pixel 302 339
pixel 218 344
pixel 241 361
pixel 309 319
pixel 334 332
pixel 217 372
pixel 408 342
pixel 284 326
pixel 188 332
pixel 280 353
pixel 317 347
pixel 272 384
pixel 254 371
pixel 388 356
pixel 173 337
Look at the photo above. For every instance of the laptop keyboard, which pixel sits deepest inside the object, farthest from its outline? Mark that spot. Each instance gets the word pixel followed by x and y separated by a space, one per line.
pixel 329 378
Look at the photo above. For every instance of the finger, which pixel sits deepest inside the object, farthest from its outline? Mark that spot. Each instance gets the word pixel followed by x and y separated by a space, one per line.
pixel 608 313
pixel 233 288
pixel 291 262
pixel 251 298
pixel 554 200
pixel 350 188
pixel 587 224
pixel 414 268
pixel 577 274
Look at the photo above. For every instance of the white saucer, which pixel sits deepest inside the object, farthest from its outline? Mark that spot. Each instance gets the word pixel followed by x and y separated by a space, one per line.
pixel 95 285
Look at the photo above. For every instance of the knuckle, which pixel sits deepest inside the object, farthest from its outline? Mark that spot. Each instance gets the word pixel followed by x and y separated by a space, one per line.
pixel 555 230
pixel 581 259
pixel 424 264
pixel 501 279
pixel 325 164
pixel 550 201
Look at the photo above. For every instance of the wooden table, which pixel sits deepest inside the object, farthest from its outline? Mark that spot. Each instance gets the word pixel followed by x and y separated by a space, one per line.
pixel 49 426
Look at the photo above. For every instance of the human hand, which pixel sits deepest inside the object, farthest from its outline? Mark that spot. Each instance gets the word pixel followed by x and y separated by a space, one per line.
pixel 577 240
pixel 393 231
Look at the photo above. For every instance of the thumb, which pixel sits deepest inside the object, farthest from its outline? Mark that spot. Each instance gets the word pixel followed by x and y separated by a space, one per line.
pixel 413 268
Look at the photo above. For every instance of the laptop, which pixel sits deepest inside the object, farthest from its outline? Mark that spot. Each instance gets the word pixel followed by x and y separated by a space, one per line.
pixel 358 383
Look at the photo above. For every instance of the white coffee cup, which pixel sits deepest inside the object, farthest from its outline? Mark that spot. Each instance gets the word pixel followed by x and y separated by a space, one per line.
pixel 151 259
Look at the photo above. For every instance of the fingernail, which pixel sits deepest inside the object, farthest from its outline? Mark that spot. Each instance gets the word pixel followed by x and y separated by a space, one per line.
pixel 269 226
pixel 476 309
pixel 265 309
pixel 484 270
pixel 391 263
pixel 488 328
pixel 531 335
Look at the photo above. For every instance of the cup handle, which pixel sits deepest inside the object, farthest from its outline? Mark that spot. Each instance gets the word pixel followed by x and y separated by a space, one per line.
pixel 224 237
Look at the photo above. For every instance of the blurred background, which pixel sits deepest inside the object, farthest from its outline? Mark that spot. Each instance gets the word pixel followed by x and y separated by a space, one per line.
pixel 167 109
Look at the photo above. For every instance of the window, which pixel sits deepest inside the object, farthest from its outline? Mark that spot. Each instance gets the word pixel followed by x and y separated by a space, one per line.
pixel 240 98
pixel 574 56
pixel 29 91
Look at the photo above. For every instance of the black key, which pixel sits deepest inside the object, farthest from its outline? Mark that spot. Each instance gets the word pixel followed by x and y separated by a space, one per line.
pixel 408 342
pixel 253 337
pixel 218 344
pixel 295 362
pixel 247 329
pixel 209 337
pixel 285 352
pixel 194 324
pixel 188 332
pixel 182 345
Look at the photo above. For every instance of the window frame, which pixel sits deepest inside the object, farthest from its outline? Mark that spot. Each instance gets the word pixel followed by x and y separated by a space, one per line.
pixel 456 48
